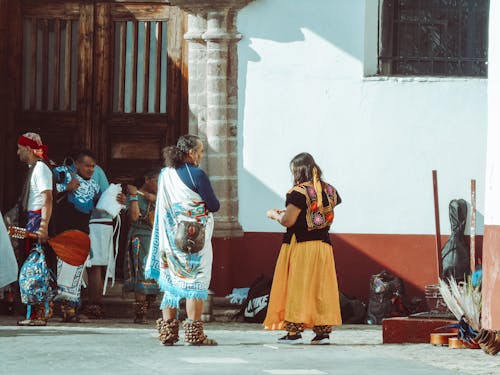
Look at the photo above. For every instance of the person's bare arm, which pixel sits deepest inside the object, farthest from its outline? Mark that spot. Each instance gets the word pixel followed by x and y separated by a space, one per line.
pixel 43 231
pixel 286 217
pixel 134 212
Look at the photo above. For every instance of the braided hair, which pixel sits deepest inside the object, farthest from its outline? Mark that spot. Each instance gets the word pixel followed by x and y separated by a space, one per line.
pixel 176 155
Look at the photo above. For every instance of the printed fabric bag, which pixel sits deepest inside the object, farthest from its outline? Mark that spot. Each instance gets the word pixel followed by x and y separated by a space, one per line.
pixel 35 280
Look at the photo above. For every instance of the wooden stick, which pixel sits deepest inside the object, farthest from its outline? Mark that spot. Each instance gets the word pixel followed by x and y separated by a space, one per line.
pixel 438 228
pixel 473 226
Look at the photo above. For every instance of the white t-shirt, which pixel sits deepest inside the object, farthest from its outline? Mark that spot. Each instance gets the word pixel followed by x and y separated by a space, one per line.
pixel 41 180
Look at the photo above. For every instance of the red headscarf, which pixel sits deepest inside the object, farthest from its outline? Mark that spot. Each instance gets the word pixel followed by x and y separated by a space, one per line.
pixel 33 141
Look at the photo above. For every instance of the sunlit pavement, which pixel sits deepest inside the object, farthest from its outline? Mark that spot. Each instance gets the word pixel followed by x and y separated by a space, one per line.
pixel 120 347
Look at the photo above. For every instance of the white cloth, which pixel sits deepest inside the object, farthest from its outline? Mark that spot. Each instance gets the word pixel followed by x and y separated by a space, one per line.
pixel 108 202
pixel 8 264
pixel 101 244
pixel 178 274
pixel 102 250
pixel 69 282
pixel 101 233
pixel 41 180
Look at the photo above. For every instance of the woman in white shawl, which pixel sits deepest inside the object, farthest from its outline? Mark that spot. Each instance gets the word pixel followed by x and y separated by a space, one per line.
pixel 8 262
pixel 184 193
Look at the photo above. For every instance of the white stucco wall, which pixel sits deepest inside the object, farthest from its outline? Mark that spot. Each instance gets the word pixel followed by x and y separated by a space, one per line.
pixel 303 86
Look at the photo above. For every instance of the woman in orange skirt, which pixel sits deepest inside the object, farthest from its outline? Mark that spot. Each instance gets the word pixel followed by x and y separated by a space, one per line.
pixel 305 291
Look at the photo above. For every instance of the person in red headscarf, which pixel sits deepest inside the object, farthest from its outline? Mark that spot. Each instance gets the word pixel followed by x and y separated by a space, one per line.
pixel 36 204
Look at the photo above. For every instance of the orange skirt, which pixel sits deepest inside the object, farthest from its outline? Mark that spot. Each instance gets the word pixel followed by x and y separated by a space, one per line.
pixel 304 287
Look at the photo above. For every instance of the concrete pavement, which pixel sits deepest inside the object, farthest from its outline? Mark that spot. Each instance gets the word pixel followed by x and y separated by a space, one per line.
pixel 119 347
pixel 116 346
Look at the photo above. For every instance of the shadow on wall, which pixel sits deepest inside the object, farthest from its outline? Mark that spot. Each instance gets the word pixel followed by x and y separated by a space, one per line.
pixel 412 257
pixel 238 261
pixel 283 21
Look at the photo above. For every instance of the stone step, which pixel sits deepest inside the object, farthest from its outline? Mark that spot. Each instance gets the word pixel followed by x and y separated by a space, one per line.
pixel 118 308
pixel 121 305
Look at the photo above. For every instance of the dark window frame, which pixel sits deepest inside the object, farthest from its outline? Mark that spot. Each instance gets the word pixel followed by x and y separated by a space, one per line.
pixel 433 38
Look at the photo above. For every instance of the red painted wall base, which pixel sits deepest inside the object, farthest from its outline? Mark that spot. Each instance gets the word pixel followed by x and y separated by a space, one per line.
pixel 238 261
pixel 410 330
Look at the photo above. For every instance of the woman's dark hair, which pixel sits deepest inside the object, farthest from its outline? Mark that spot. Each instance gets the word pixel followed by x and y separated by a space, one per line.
pixel 148 174
pixel 302 166
pixel 175 155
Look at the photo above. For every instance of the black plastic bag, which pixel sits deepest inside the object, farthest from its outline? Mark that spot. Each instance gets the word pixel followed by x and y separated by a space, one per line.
pixel 386 298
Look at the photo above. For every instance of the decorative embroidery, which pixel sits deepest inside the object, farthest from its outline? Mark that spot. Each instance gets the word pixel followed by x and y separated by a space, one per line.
pixel 318 217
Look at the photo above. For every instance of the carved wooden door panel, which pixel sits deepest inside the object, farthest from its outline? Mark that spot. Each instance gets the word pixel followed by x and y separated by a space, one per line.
pixel 139 92
pixel 107 76
pixel 56 76
pixel 104 76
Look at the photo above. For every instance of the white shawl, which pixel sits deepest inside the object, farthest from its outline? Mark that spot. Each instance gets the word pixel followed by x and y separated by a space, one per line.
pixel 8 263
pixel 178 274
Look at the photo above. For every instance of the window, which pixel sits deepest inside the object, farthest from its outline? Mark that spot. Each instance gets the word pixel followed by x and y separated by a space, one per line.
pixel 50 48
pixel 433 37
pixel 140 67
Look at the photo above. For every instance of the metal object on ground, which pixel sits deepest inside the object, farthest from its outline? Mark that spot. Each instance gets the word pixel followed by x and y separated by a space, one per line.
pixel 434 299
pixel 208 308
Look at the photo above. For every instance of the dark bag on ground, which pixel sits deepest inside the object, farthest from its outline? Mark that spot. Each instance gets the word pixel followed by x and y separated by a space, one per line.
pixel 353 310
pixel 254 308
pixel 455 253
pixel 386 298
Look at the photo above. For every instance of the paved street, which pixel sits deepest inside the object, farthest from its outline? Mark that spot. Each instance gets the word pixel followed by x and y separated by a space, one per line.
pixel 118 347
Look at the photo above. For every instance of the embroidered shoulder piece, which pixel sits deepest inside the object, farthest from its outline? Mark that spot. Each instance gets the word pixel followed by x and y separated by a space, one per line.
pixel 318 217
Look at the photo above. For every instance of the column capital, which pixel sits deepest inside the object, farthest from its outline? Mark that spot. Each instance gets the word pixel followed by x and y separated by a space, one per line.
pixel 201 6
pixel 221 26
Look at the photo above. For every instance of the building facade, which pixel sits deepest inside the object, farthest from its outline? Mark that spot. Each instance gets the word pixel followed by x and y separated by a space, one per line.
pixel 261 81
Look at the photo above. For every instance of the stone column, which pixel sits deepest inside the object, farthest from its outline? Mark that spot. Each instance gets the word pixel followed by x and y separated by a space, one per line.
pixel 197 56
pixel 213 98
pixel 222 120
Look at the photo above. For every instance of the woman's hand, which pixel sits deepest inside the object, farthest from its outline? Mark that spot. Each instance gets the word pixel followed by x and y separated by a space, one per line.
pixel 275 214
pixel 287 217
pixel 150 197
pixel 121 198
pixel 131 190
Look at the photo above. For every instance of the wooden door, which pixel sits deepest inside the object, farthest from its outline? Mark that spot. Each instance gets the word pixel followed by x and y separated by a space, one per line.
pixel 56 74
pixel 107 76
pixel 139 92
